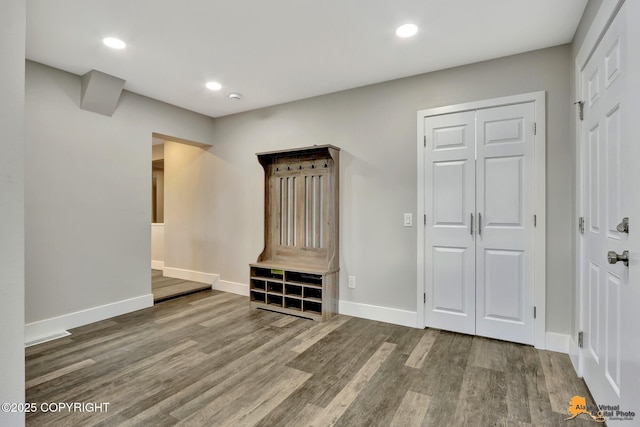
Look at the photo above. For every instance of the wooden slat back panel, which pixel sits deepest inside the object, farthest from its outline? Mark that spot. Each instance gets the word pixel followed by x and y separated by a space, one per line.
pixel 301 206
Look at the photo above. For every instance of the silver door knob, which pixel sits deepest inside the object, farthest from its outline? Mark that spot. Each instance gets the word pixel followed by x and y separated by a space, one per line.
pixel 614 257
pixel 623 227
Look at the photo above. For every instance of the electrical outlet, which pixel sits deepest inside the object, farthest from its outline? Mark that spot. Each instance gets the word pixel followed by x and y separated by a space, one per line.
pixel 352 282
pixel 408 220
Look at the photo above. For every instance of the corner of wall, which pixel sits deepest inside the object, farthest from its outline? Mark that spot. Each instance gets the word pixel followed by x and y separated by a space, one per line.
pixel 12 229
pixel 557 342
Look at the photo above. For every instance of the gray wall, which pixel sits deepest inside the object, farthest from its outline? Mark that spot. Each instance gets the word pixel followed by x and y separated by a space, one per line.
pixel 81 258
pixel 88 184
pixel 12 51
pixel 376 128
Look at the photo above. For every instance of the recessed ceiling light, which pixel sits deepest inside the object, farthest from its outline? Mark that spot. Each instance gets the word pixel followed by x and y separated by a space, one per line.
pixel 114 43
pixel 406 30
pixel 214 86
pixel 235 96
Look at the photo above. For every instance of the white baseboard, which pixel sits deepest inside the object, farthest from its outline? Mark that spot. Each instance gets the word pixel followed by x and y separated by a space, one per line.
pixel 194 276
pixel 381 314
pixel 557 342
pixel 208 278
pixel 49 327
pixel 157 265
pixel 231 287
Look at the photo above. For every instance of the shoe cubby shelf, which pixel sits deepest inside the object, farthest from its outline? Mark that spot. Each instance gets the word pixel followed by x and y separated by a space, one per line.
pixel 297 271
pixel 301 293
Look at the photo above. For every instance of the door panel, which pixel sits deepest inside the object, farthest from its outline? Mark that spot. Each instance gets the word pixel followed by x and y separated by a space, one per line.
pixel 504 130
pixel 594 179
pixel 448 137
pixel 612 335
pixel 504 199
pixel 595 298
pixel 449 202
pixel 504 300
pixel 449 281
pixel 603 82
pixel 449 193
pixel 612 62
pixel 504 192
pixel 593 85
pixel 614 181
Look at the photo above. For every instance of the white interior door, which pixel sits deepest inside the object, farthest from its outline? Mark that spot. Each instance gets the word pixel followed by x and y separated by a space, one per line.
pixel 605 182
pixel 449 237
pixel 479 198
pixel 504 204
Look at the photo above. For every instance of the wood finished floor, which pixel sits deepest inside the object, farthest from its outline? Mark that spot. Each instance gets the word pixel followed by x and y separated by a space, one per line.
pixel 167 287
pixel 206 359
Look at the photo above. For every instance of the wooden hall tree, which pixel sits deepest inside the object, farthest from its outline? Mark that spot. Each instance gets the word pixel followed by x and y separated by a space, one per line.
pixel 297 272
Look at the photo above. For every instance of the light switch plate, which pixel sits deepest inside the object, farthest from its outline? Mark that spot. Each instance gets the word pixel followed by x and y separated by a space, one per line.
pixel 408 220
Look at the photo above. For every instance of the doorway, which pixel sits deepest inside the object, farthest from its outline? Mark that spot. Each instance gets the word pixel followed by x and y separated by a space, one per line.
pixel 164 284
pixel 481 193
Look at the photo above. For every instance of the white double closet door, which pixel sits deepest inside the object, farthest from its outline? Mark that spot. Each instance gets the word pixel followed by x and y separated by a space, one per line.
pixel 479 204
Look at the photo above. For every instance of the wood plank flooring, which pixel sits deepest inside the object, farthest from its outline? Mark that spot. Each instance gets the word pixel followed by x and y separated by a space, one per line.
pixel 167 287
pixel 206 359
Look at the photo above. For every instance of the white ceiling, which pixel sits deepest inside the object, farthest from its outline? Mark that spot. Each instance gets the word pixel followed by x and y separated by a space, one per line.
pixel 275 51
